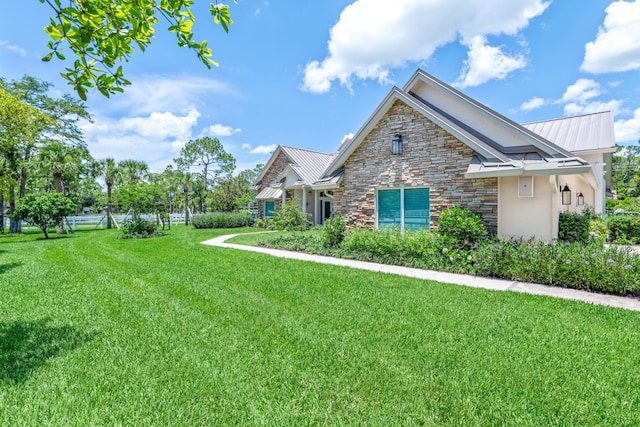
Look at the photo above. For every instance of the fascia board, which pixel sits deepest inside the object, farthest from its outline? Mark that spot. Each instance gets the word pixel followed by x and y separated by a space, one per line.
pixel 266 167
pixel 536 139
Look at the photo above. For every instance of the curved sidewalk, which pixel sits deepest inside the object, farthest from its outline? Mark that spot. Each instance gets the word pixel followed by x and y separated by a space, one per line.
pixel 439 276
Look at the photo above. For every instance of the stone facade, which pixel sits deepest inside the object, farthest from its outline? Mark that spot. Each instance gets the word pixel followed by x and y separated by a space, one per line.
pixel 271 177
pixel 432 158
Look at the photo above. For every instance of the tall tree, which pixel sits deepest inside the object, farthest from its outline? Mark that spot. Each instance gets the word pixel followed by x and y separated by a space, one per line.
pixel 132 171
pixel 108 169
pixel 62 163
pixel 207 153
pixel 58 121
pixel 103 34
pixel 20 127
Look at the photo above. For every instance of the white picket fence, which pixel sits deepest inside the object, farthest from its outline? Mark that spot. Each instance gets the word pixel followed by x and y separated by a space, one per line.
pixel 88 222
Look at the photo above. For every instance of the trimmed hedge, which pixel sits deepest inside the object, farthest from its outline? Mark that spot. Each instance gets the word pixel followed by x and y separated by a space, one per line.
pixel 223 220
pixel 592 266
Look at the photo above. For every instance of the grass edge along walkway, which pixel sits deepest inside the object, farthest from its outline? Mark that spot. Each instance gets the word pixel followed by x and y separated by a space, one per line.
pixel 440 276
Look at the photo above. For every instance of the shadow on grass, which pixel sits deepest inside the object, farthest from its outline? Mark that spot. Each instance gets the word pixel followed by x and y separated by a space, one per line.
pixel 8 266
pixel 26 346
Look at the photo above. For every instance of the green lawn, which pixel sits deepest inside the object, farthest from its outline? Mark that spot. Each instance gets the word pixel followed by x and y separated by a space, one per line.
pixel 100 331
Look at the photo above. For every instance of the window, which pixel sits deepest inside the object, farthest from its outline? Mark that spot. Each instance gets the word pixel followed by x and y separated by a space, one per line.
pixel 407 208
pixel 269 209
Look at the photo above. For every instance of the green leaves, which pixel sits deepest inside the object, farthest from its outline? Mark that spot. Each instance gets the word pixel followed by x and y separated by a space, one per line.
pixel 102 34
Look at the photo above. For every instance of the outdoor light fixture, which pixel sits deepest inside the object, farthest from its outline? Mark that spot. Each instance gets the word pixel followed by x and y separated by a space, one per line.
pixel 580 198
pixel 396 144
pixel 566 195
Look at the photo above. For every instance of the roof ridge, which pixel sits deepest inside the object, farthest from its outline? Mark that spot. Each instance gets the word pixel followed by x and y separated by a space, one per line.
pixel 306 149
pixel 567 118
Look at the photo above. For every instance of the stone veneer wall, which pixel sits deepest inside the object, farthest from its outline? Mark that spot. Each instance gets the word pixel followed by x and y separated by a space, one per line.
pixel 271 177
pixel 431 158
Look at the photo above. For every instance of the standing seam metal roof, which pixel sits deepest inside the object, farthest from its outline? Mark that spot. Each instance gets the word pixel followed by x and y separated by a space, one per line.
pixel 308 165
pixel 579 133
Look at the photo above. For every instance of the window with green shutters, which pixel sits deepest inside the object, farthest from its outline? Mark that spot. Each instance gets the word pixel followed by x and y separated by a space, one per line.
pixel 407 208
pixel 389 208
pixel 269 209
pixel 416 209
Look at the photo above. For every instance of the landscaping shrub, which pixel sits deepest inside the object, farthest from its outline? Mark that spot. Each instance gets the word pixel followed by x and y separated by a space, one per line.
pixel 624 228
pixel 223 220
pixel 139 229
pixel 290 218
pixel 591 266
pixel 334 231
pixel 598 229
pixel 465 229
pixel 574 227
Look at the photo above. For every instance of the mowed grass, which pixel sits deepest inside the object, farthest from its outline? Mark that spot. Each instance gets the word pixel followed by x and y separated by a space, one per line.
pixel 165 331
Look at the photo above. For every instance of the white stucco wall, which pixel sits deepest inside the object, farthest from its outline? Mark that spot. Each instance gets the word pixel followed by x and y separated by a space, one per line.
pixel 537 216
pixel 593 197
pixel 527 217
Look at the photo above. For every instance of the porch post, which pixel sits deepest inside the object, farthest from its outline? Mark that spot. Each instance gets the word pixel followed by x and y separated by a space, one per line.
pixel 304 199
pixel 284 196
pixel 316 208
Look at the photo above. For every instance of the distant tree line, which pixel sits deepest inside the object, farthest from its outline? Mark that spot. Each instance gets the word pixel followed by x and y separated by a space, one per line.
pixel 42 151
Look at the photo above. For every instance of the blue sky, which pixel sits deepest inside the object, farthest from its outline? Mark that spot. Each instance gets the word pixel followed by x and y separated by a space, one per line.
pixel 307 73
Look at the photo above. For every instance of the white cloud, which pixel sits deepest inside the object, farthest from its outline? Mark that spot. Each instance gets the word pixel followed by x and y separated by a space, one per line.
pixel 167 93
pixel 578 99
pixel 581 91
pixel 532 104
pixel 155 138
pixel 628 130
pixel 373 36
pixel 617 45
pixel 573 109
pixel 486 62
pixel 219 130
pixel 260 149
pixel 8 46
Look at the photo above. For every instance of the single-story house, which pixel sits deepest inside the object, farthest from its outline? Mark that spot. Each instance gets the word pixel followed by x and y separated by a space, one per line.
pixel 428 147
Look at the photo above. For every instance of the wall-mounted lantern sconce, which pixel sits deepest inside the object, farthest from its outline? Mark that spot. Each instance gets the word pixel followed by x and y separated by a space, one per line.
pixel 566 195
pixel 580 198
pixel 396 144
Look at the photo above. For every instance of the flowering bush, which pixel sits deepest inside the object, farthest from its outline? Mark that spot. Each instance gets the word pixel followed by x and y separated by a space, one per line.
pixel 592 266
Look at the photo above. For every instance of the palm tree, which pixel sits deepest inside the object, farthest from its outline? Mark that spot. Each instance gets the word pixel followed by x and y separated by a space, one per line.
pixel 60 160
pixel 109 170
pixel 132 171
pixel 186 180
pixel 63 163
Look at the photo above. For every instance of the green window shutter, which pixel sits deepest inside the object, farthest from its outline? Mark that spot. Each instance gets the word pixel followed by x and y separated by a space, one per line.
pixel 389 214
pixel 269 209
pixel 416 209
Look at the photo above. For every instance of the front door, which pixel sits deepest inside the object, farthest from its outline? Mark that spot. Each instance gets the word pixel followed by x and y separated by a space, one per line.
pixel 326 209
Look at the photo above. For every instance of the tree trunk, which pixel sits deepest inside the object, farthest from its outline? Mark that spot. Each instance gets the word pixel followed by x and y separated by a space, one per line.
pixel 186 207
pixel 109 206
pixel 1 212
pixel 15 226
pixel 57 183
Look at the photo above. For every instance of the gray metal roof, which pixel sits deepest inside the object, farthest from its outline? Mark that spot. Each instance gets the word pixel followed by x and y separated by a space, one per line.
pixel 269 193
pixel 579 133
pixel 308 165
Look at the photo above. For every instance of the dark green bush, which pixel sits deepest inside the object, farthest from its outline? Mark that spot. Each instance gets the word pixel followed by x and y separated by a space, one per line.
pixel 574 227
pixel 592 266
pixel 290 218
pixel 139 229
pixel 465 229
pixel 624 228
pixel 223 220
pixel 334 231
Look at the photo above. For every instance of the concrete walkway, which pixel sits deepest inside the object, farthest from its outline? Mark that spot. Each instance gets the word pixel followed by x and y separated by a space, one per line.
pixel 439 276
